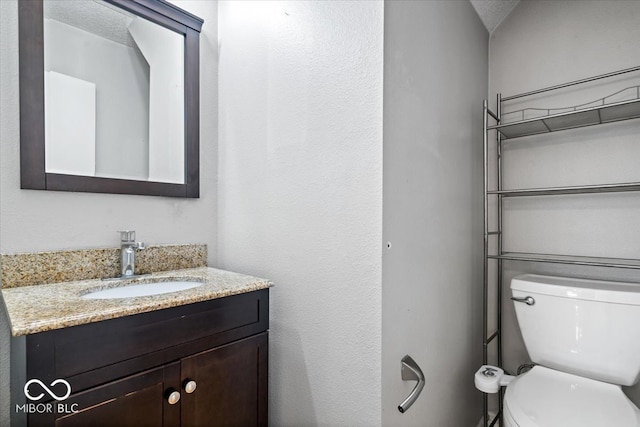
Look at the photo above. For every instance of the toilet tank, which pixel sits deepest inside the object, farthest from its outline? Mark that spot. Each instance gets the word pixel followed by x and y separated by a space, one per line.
pixel 585 327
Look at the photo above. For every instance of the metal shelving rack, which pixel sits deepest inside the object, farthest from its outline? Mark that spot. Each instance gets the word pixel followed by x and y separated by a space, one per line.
pixel 543 121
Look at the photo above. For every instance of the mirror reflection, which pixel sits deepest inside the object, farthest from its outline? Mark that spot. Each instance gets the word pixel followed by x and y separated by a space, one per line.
pixel 114 93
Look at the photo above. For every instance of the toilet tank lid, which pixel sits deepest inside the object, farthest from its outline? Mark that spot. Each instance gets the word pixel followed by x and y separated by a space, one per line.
pixel 584 289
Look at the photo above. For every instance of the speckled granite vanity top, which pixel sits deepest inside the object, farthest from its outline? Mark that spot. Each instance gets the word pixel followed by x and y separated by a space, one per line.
pixel 40 308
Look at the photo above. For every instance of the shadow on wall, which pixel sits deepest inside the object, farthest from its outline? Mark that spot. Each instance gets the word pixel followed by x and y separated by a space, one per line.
pixel 287 363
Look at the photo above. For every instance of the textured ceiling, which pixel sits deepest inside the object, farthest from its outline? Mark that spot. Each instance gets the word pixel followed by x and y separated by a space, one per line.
pixel 96 17
pixel 492 12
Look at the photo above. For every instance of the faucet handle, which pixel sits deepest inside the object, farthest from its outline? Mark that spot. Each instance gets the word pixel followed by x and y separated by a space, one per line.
pixel 127 236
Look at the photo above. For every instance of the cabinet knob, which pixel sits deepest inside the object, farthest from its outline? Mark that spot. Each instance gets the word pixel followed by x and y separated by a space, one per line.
pixel 173 396
pixel 190 386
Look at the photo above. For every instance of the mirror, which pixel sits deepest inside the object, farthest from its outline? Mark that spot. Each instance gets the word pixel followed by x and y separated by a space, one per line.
pixel 113 93
pixel 109 97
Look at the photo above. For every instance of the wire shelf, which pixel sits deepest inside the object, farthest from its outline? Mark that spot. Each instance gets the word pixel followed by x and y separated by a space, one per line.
pixel 579 189
pixel 570 260
pixel 593 113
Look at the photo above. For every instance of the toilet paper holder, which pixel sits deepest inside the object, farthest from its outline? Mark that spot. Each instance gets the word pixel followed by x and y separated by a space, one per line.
pixel 489 379
pixel 410 371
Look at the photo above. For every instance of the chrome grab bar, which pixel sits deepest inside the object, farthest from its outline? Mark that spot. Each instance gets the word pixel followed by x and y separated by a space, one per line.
pixel 410 371
pixel 526 300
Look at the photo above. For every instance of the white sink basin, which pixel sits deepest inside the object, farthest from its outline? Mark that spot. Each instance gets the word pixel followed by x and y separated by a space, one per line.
pixel 142 290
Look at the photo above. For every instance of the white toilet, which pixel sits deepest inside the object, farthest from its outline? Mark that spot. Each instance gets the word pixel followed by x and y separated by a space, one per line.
pixel 584 336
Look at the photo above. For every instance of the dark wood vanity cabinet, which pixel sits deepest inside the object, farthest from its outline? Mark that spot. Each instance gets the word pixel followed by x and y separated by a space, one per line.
pixel 134 401
pixel 122 372
pixel 231 376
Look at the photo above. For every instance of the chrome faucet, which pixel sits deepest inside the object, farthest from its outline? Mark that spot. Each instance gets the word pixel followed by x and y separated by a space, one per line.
pixel 128 245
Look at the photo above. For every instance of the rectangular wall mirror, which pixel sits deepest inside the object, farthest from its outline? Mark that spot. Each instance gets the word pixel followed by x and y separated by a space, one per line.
pixel 109 97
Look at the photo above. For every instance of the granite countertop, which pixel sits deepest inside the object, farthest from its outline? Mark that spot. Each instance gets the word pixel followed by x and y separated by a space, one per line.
pixel 33 309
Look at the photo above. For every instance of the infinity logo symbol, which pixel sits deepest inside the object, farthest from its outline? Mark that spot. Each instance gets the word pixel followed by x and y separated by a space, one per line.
pixel 52 394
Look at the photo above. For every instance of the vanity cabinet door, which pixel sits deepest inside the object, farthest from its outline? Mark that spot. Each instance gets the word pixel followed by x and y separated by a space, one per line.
pixel 136 401
pixel 231 385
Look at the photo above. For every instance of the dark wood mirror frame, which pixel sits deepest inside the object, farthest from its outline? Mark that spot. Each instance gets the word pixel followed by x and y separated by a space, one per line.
pixel 32 131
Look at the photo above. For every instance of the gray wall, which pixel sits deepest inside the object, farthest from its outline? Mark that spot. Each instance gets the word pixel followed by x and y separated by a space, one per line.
pixel 547 43
pixel 300 201
pixel 435 78
pixel 47 220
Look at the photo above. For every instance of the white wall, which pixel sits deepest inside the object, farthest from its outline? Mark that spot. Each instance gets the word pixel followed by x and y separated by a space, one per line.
pixel 47 220
pixel 544 43
pixel 300 195
pixel 70 124
pixel 164 51
pixel 435 78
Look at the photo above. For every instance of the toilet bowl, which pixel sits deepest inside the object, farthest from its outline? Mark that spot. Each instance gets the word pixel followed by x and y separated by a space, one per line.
pixel 545 397
pixel 584 336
